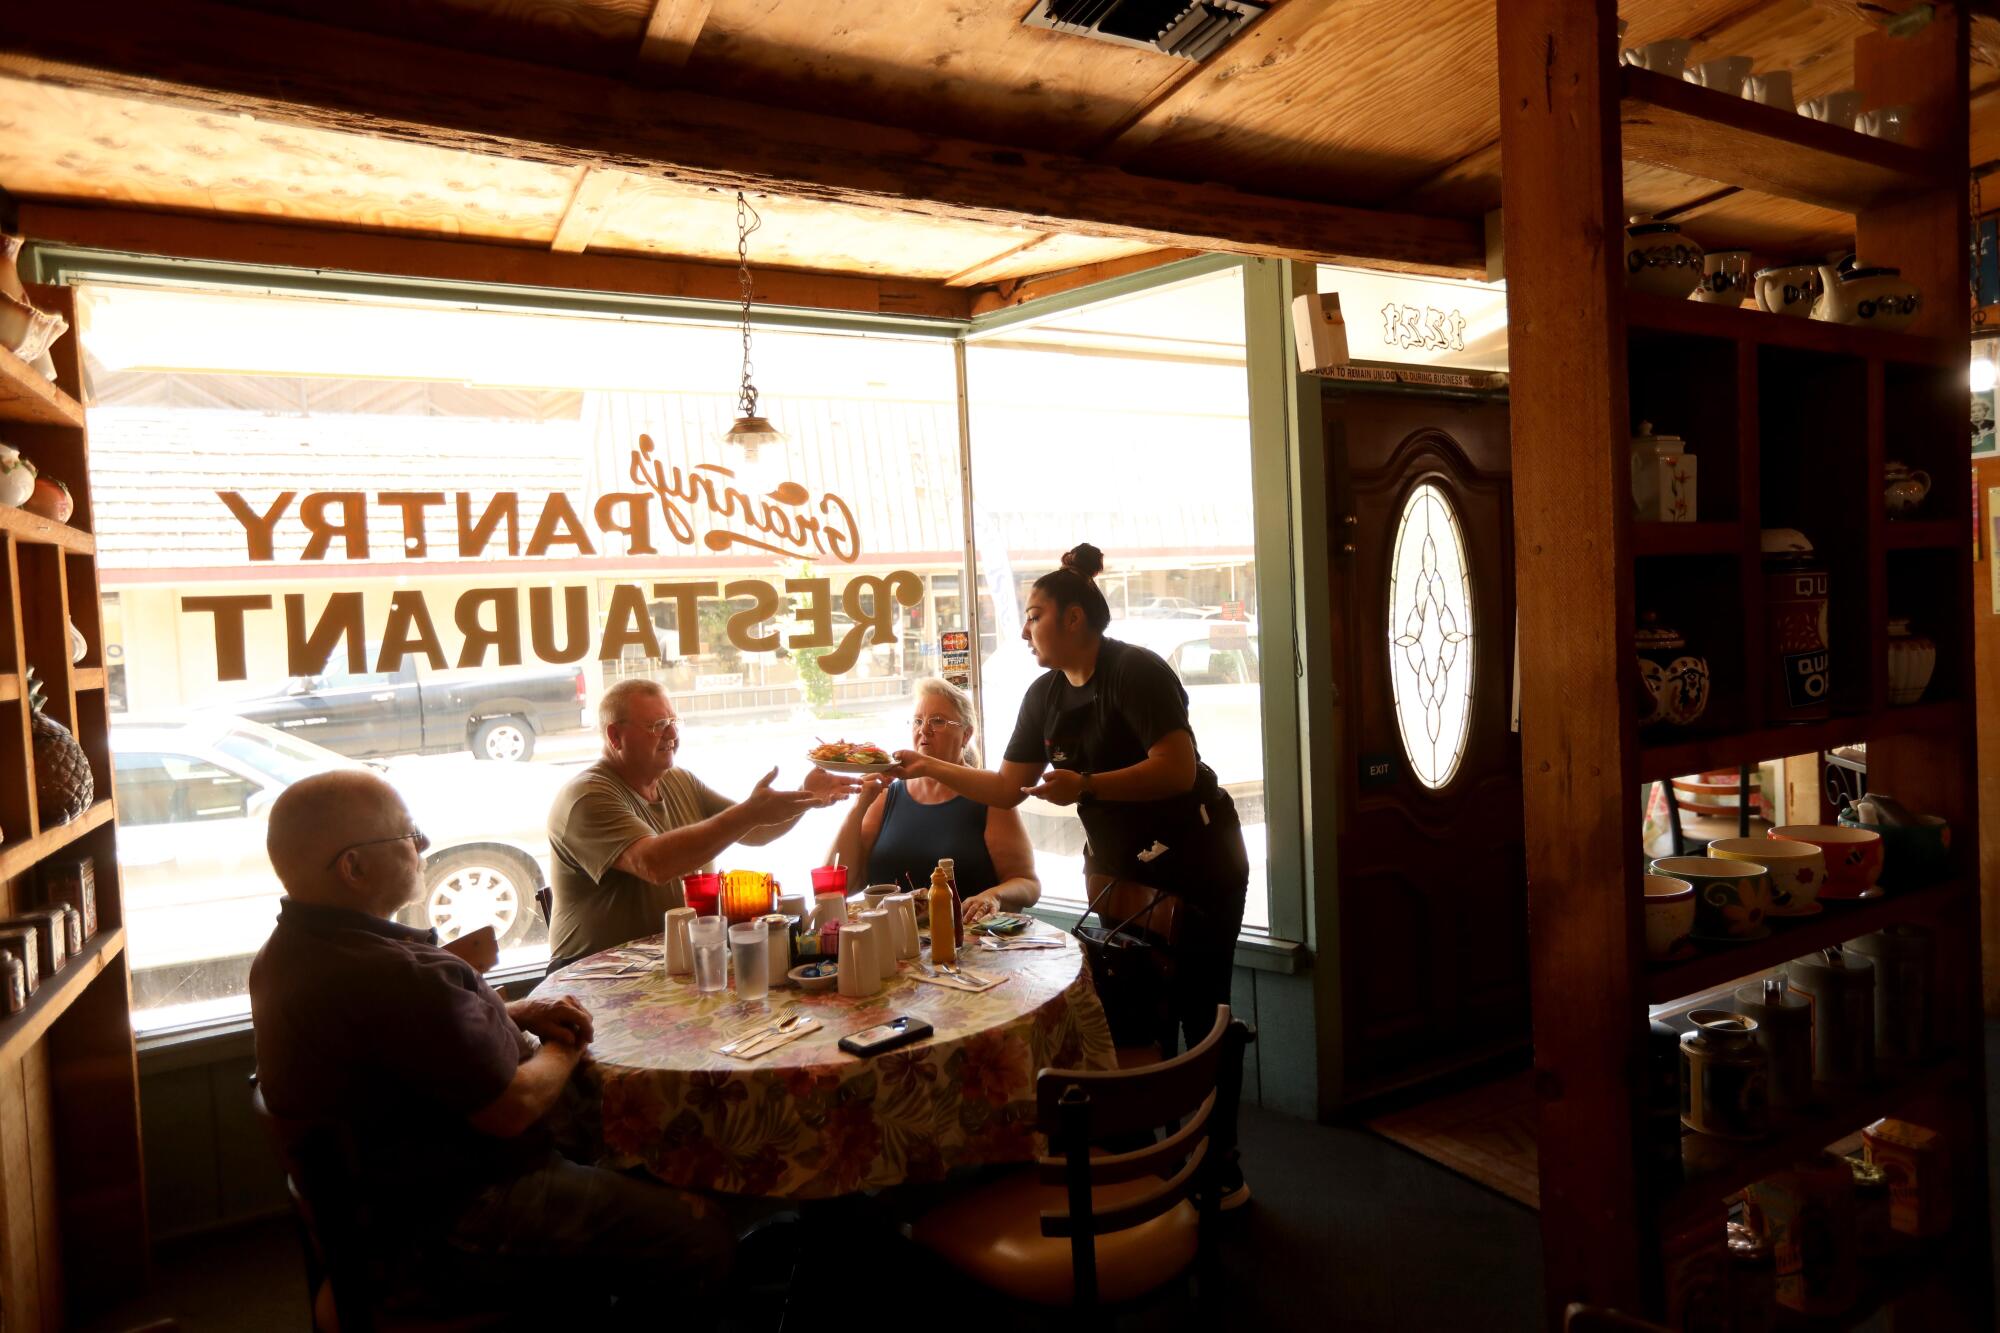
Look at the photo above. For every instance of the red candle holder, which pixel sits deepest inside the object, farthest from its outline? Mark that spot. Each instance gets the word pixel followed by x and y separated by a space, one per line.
pixel 701 892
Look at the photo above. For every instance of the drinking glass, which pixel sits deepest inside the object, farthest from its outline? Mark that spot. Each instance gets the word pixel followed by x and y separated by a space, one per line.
pixel 750 947
pixel 711 957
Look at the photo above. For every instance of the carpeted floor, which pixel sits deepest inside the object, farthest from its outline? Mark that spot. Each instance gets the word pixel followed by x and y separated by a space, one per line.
pixel 1342 1221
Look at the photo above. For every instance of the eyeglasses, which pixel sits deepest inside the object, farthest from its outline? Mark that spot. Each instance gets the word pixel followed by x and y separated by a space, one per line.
pixel 664 727
pixel 415 836
pixel 934 723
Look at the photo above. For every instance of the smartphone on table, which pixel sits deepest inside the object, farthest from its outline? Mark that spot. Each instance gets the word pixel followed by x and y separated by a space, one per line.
pixel 885 1036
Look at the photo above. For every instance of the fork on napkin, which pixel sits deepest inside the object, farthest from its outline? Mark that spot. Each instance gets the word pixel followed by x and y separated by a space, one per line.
pixel 958 981
pixel 768 1042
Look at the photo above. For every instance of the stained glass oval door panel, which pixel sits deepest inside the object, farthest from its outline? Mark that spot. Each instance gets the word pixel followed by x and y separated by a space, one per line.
pixel 1430 635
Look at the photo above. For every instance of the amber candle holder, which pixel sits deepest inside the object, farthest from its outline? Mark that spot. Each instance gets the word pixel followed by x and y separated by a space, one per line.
pixel 746 895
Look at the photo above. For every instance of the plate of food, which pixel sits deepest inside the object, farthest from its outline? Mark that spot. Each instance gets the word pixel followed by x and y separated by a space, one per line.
pixel 851 757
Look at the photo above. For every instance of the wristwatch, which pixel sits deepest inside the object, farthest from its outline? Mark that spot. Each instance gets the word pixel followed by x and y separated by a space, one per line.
pixel 1084 790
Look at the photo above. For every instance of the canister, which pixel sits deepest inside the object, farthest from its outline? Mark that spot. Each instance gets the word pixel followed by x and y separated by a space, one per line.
pixel 72 931
pixel 73 882
pixel 1724 1076
pixel 1753 1280
pixel 779 926
pixel 18 943
pixel 1797 652
pixel 16 979
pixel 1807 1216
pixel 1663 1104
pixel 1871 1208
pixel 50 937
pixel 1902 959
pixel 1841 986
pixel 1785 1031
pixel 1919 1173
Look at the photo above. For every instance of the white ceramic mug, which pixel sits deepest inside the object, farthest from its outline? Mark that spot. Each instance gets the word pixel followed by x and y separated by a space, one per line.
pixel 1668 57
pixel 902 910
pixel 883 931
pixel 1772 89
pixel 859 974
pixel 1886 122
pixel 1725 278
pixel 679 953
pixel 1725 74
pixel 1833 108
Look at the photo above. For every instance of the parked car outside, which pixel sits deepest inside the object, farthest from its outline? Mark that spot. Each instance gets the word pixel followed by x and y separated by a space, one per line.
pixel 193 800
pixel 495 714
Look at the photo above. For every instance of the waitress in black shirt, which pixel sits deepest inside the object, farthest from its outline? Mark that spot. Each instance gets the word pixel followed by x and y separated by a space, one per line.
pixel 1106 730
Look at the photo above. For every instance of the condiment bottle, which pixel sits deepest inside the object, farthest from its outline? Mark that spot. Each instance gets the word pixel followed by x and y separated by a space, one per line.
pixel 957 905
pixel 944 941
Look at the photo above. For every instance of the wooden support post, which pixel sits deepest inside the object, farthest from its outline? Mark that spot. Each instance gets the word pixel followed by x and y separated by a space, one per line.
pixel 1565 275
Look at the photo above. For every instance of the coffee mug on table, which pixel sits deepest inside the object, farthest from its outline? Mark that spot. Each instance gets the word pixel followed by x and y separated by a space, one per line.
pixel 1797 870
pixel 1729 896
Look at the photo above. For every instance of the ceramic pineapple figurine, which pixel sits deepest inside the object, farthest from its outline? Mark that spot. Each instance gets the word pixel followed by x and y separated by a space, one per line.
pixel 63 785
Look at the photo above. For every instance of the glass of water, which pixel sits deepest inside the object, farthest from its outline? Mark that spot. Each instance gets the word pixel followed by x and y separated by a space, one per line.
pixel 750 948
pixel 711 957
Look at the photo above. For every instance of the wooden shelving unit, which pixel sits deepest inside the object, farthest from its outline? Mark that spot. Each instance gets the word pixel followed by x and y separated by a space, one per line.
pixel 1793 421
pixel 73 1235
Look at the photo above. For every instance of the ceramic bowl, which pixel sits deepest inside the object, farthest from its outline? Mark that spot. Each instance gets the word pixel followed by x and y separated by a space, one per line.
pixel 1913 855
pixel 1788 289
pixel 1730 897
pixel 1797 870
pixel 1659 260
pixel 1669 915
pixel 1853 856
pixel 828 978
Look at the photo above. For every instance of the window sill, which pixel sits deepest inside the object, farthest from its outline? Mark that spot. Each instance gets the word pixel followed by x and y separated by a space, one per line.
pixel 226 1038
pixel 1253 949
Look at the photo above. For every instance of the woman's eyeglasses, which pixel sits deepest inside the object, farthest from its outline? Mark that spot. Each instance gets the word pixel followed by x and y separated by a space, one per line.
pixel 935 723
pixel 415 836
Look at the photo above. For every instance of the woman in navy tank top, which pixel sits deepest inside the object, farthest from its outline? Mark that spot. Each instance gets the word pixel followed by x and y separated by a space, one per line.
pixel 901 830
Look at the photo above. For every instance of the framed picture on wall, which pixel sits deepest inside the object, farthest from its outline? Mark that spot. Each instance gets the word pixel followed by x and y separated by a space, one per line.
pixel 1984 368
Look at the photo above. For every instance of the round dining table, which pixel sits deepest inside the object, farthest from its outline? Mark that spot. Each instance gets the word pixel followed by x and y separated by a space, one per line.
pixel 807 1120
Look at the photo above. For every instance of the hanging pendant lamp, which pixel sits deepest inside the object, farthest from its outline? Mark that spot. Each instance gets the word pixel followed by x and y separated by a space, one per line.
pixel 749 432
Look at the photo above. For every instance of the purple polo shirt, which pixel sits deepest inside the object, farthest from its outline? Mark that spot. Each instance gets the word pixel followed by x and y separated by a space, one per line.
pixel 370 1023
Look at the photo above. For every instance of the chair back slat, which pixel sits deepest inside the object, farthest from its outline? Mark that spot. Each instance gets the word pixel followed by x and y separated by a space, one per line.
pixel 1155 1159
pixel 1126 1101
pixel 1133 1212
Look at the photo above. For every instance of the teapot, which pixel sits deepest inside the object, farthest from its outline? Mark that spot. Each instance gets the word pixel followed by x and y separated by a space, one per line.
pixel 1659 260
pixel 1873 297
pixel 1903 487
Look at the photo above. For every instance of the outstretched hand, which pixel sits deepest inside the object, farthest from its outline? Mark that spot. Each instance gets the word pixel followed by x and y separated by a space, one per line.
pixel 1059 786
pixel 829 787
pixel 771 805
pixel 910 764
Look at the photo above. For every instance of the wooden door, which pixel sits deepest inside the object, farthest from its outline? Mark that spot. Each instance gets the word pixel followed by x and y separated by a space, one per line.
pixel 1433 890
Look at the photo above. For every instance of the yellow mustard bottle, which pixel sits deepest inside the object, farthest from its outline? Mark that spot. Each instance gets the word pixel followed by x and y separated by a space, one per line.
pixel 944 945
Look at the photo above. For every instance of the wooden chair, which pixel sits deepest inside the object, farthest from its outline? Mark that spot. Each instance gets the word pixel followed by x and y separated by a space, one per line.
pixel 1132 1220
pixel 321 1171
pixel 1581 1318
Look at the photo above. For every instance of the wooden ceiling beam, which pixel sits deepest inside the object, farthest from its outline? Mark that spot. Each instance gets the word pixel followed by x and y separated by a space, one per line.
pixel 238 62
pixel 586 209
pixel 672 29
pixel 292 245
pixel 1019 291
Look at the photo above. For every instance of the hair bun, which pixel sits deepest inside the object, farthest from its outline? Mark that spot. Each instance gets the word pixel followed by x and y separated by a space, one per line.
pixel 1084 559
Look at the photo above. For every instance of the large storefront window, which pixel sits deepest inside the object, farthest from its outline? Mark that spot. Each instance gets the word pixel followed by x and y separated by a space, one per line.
pixel 424 539
pixel 1125 424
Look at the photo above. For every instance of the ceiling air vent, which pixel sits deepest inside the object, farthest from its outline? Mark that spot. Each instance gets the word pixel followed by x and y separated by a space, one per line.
pixel 1190 31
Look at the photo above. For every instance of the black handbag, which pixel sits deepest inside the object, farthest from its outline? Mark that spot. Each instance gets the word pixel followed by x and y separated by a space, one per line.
pixel 1132 973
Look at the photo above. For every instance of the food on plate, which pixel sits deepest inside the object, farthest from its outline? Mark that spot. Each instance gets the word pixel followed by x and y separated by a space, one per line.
pixel 850 752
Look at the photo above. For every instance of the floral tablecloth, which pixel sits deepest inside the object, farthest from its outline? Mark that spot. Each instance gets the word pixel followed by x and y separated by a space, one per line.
pixel 809 1120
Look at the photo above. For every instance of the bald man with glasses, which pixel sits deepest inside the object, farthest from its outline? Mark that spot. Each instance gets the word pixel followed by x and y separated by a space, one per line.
pixel 626 829
pixel 444 1088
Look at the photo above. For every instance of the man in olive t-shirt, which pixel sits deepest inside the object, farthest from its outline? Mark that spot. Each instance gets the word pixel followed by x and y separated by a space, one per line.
pixel 627 828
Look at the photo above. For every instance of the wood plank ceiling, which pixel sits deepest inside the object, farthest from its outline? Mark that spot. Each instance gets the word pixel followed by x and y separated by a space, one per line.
pixel 1381 104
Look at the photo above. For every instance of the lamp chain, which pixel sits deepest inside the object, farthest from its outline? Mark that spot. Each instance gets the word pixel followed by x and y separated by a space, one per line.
pixel 747 221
